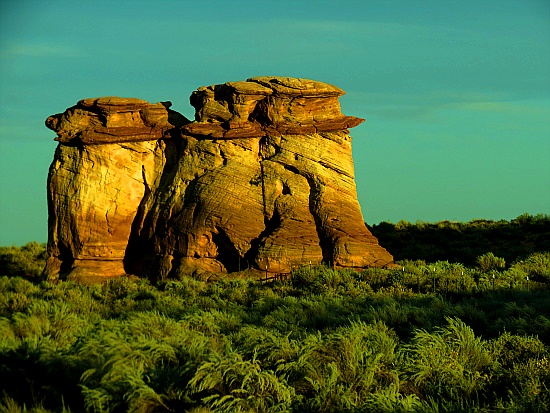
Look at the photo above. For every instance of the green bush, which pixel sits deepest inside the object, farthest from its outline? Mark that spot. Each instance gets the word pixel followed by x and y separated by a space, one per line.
pixel 348 365
pixel 409 339
pixel 465 241
pixel 229 383
pixel 26 261
pixel 536 267
pixel 489 262
pixel 450 363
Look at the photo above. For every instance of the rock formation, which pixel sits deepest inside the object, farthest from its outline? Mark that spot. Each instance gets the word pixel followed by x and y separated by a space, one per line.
pixel 262 179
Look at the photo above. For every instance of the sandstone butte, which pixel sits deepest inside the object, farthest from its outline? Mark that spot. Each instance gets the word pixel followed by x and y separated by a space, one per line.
pixel 263 178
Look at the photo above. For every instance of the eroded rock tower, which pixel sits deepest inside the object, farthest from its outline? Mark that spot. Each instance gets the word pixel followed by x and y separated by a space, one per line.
pixel 263 178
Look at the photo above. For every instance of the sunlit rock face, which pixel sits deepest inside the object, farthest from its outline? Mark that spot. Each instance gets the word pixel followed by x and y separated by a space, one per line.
pixel 110 156
pixel 262 179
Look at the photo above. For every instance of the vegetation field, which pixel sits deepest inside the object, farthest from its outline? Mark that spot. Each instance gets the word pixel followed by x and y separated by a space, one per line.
pixel 437 336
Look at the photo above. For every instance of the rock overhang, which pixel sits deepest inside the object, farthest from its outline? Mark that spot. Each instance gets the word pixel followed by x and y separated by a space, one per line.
pixel 267 105
pixel 257 107
pixel 112 119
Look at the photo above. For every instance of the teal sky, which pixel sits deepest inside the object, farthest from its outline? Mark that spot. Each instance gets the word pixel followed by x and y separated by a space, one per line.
pixel 456 93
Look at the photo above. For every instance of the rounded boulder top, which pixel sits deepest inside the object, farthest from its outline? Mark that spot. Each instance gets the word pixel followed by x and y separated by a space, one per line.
pixel 297 86
pixel 117 104
pixel 249 88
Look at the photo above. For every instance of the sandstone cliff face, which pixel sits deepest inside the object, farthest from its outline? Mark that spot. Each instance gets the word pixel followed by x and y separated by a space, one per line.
pixel 263 178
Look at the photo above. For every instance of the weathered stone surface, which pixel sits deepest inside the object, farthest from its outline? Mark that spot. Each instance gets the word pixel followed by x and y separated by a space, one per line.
pixel 95 187
pixel 266 106
pixel 263 178
pixel 114 120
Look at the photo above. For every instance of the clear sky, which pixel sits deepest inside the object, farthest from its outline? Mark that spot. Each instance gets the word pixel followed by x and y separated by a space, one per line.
pixel 456 93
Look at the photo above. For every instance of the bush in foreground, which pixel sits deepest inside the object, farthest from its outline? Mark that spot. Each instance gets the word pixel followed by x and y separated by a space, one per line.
pixel 412 340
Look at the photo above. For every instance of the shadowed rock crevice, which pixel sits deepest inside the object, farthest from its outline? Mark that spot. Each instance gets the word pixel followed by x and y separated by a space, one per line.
pixel 263 178
pixel 138 256
pixel 227 255
pixel 325 243
pixel 271 225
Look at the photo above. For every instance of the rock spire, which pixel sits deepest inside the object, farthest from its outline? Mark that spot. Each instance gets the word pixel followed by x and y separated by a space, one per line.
pixel 263 178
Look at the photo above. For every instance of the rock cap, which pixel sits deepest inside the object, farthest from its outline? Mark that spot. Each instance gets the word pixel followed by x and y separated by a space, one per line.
pixel 267 106
pixel 112 119
pixel 297 86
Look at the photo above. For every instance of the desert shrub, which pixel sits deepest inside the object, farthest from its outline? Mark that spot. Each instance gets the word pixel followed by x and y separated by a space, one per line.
pixel 213 322
pixel 454 277
pixel 39 340
pixel 274 349
pixel 10 405
pixel 327 281
pixel 15 294
pixel 536 266
pixel 470 313
pixel 525 325
pixel 510 349
pixel 17 285
pixel 466 342
pixel 185 288
pixel 229 383
pixel 141 365
pixel 440 276
pixel 286 315
pixel 450 363
pixel 390 312
pixel 514 277
pixel 531 394
pixel 26 261
pixel 391 400
pixel 341 369
pixel 489 262
pixel 304 277
pixel 49 320
pixel 522 372
pixel 120 378
pixel 465 241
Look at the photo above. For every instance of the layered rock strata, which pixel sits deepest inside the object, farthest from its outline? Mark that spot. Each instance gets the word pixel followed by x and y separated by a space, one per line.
pixel 263 179
pixel 109 155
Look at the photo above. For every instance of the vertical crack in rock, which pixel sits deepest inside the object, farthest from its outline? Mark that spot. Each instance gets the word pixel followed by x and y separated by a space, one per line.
pixel 271 224
pixel 263 178
pixel 227 253
pixel 324 242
